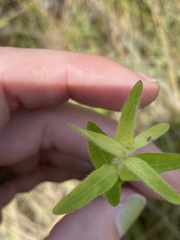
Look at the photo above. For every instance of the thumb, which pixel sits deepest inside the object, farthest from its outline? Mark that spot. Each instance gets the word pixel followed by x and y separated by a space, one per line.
pixel 99 220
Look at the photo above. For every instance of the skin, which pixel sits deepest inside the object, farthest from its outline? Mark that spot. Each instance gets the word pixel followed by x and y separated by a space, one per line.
pixel 36 144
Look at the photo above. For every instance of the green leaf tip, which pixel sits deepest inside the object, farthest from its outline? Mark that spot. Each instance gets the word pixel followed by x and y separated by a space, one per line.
pixel 114 193
pixel 126 127
pixel 150 135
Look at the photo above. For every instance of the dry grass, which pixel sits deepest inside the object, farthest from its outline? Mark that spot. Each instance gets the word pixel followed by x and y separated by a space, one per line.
pixel 144 36
pixel 29 216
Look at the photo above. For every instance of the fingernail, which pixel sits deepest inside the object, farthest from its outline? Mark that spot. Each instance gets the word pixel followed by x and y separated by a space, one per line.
pixel 148 78
pixel 128 211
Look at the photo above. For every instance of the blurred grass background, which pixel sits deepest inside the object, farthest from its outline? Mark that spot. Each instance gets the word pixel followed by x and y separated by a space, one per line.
pixel 142 35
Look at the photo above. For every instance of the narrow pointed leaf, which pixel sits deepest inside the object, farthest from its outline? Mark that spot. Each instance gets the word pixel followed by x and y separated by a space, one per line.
pixel 150 135
pixel 161 162
pixel 106 143
pixel 98 155
pixel 126 127
pixel 145 173
pixel 97 183
pixel 113 194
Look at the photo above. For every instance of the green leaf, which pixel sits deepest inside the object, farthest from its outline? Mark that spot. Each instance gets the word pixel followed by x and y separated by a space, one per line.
pixel 98 155
pixel 150 135
pixel 127 175
pixel 106 143
pixel 161 162
pixel 126 127
pixel 97 183
pixel 113 194
pixel 145 173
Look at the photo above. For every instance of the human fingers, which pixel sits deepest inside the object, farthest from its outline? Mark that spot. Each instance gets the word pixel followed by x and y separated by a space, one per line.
pixel 99 220
pixel 31 133
pixel 42 78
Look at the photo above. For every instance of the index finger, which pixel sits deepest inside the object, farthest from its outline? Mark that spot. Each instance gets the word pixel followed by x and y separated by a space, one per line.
pixel 34 78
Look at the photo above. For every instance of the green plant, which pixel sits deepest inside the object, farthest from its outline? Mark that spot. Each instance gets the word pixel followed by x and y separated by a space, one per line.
pixel 116 162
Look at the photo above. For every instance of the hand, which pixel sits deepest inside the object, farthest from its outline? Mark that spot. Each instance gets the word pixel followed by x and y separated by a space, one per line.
pixel 35 142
